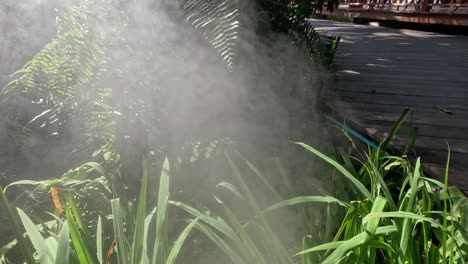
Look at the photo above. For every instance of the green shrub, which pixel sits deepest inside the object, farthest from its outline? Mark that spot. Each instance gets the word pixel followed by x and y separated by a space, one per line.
pixel 413 220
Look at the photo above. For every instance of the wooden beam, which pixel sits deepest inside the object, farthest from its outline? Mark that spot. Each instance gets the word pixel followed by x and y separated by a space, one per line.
pixel 411 17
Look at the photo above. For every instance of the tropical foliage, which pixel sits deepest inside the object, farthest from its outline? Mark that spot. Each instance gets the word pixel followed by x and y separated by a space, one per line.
pixel 83 94
pixel 416 220
pixel 66 98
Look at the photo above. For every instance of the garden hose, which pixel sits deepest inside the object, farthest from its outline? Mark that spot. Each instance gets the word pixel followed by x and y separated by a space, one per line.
pixel 368 142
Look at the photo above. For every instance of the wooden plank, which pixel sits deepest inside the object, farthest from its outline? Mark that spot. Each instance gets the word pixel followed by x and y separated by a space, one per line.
pixel 408 90
pixel 423 130
pixel 398 108
pixel 422 85
pixel 407 56
pixel 423 142
pixel 440 158
pixel 457 177
pixel 359 69
pixel 459 103
pixel 415 119
pixel 386 99
pixel 398 85
pixel 409 77
pixel 390 65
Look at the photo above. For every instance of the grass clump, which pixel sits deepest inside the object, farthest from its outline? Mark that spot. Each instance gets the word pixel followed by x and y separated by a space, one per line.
pixel 396 215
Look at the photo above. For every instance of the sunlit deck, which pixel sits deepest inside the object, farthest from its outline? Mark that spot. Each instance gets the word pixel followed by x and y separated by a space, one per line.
pixel 380 71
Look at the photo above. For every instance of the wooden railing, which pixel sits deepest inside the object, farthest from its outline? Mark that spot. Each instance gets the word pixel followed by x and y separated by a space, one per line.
pixel 421 6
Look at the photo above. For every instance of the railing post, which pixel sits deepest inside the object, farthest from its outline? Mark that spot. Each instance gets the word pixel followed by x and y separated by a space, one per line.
pixel 425 8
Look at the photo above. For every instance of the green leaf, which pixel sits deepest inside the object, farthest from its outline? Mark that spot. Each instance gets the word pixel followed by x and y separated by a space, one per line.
pixel 36 238
pixel 231 188
pixel 5 248
pixel 282 171
pixel 24 247
pixel 221 243
pixel 377 207
pixel 305 199
pixel 63 248
pixel 326 246
pixel 179 242
pixel 411 140
pixel 99 240
pixel 122 249
pixel 25 182
pixel 263 179
pixel 217 223
pixel 81 249
pixel 138 239
pixel 342 248
pixel 407 224
pixel 160 241
pixel 388 139
pixel 382 245
pixel 401 214
pixel 359 186
pixel 96 166
pixel 279 252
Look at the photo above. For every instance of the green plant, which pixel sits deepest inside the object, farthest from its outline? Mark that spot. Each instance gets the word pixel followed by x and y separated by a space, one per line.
pixel 409 230
pixel 134 234
pixel 413 220
pixel 69 87
pixel 253 241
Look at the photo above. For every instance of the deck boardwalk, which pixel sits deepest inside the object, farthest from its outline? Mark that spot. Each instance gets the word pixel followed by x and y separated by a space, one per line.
pixel 380 71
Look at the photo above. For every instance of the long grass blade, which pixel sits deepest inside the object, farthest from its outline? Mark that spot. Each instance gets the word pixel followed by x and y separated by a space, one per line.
pixel 14 220
pixel 77 241
pixel 99 250
pixel 119 234
pixel 403 215
pixel 221 243
pixel 63 248
pixel 407 224
pixel 78 232
pixel 160 241
pixel 263 179
pixel 344 248
pixel 139 232
pixel 217 223
pixel 148 220
pixel 377 207
pixel 179 242
pixel 305 199
pixel 359 186
pixel 36 238
pixel 276 248
pixel 388 139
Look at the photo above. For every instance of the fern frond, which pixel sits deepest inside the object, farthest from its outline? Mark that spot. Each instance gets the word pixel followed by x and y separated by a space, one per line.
pixel 218 21
pixel 54 81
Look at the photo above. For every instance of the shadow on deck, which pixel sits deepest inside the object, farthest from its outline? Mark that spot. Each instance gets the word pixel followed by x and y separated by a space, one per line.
pixel 381 71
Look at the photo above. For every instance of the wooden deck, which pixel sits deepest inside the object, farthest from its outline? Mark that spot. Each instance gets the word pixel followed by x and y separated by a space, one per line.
pixel 380 71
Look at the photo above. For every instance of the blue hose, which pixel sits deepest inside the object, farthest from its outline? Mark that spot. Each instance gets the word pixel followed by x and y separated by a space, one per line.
pixel 353 132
